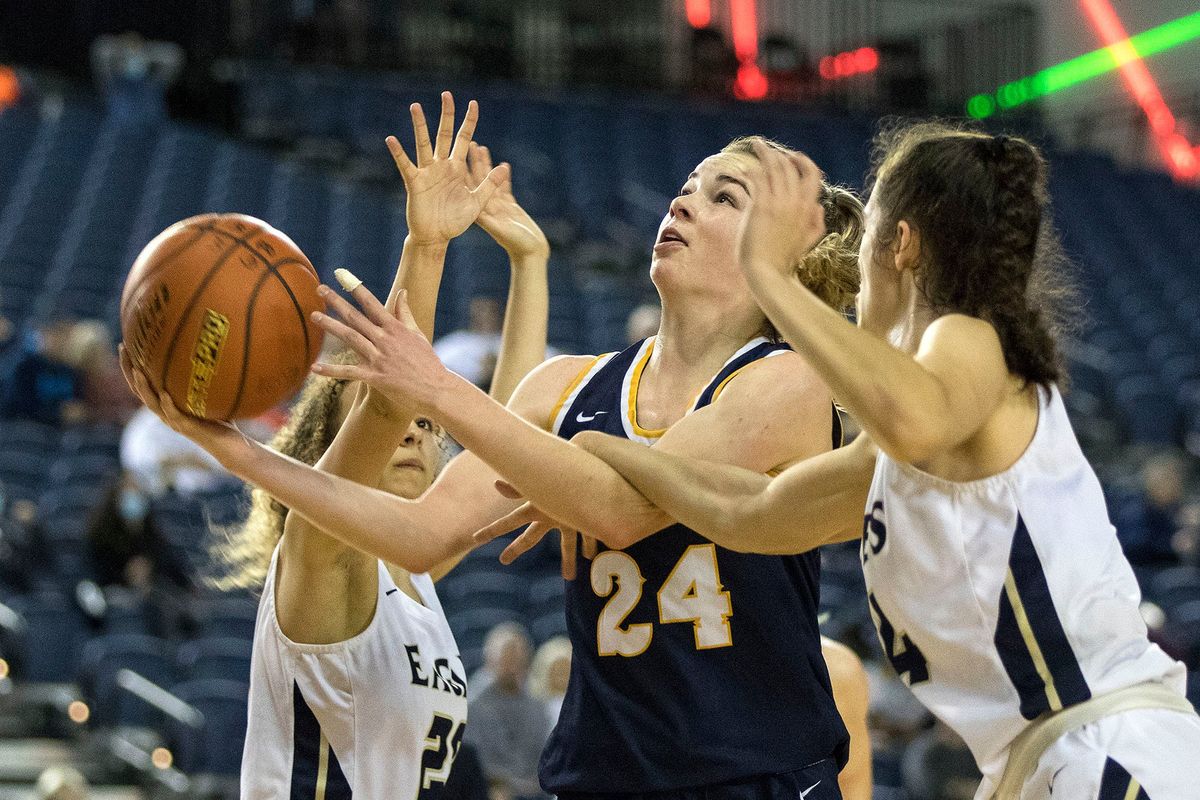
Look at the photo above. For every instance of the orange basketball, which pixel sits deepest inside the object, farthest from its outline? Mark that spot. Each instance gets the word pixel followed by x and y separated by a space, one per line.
pixel 216 312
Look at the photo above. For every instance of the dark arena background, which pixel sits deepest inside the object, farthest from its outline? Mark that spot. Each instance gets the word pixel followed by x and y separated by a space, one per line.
pixel 124 674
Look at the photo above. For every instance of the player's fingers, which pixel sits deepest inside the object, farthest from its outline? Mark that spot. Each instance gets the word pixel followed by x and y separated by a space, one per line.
pixel 342 372
pixel 506 489
pixel 445 134
pixel 421 135
pixel 403 162
pixel 368 302
pixel 348 313
pixel 404 313
pixel 570 553
pixel 509 522
pixel 494 180
pixel 590 548
pixel 462 142
pixel 526 541
pixel 355 340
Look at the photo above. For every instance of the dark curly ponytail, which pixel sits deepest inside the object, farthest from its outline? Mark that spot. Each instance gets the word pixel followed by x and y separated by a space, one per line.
pixel 980 204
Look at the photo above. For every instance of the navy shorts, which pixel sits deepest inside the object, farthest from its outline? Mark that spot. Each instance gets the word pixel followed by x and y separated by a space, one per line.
pixel 817 781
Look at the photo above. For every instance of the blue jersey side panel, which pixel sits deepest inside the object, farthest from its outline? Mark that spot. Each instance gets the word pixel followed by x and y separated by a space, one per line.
pixel 676 716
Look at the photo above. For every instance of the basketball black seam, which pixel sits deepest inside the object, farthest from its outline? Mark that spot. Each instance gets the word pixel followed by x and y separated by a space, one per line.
pixel 237 398
pixel 192 304
pixel 272 270
pixel 267 264
pixel 164 261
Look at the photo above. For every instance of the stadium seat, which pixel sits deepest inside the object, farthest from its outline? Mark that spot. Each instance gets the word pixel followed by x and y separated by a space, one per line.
pixel 104 657
pixel 46 646
pixel 215 748
pixel 230 616
pixel 219 657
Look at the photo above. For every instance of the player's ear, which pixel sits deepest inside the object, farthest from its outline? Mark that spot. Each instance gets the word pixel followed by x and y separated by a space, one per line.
pixel 906 246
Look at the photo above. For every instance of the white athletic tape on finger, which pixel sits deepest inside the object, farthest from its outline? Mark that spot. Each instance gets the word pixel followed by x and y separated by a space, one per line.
pixel 347 279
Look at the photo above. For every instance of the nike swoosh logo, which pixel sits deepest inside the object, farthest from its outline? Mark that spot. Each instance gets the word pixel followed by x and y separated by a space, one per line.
pixel 581 418
pixel 804 794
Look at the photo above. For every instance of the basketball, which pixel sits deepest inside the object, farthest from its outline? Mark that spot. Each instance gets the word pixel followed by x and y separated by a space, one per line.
pixel 215 311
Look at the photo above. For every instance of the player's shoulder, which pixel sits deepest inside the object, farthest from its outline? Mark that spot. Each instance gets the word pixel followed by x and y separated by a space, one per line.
pixel 780 380
pixel 962 334
pixel 541 389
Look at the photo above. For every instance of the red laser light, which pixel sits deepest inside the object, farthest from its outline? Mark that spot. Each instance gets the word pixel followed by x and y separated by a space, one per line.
pixel 743 23
pixel 699 13
pixel 751 83
pixel 1182 158
pixel 851 62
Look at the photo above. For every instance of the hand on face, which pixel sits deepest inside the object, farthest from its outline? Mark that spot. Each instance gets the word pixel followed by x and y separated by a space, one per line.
pixel 502 217
pixel 444 197
pixel 785 218
pixel 394 358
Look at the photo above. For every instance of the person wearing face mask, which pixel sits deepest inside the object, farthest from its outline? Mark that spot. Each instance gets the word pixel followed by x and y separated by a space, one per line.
pixel 696 670
pixel 125 547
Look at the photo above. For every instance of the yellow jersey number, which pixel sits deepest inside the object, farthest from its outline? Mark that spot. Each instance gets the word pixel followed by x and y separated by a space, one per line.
pixel 691 593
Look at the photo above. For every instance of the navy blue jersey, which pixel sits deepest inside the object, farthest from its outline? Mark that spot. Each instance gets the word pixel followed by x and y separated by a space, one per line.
pixel 692 665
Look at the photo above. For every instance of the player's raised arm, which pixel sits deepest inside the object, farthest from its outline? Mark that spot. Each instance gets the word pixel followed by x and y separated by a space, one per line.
pixel 523 343
pixel 326 588
pixel 912 408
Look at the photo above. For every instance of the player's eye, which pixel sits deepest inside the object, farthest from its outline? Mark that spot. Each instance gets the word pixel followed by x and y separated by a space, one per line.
pixel 684 192
pixel 425 424
pixel 725 197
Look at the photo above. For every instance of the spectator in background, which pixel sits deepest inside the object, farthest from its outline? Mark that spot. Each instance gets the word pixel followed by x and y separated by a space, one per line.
pixel 161 460
pixel 131 561
pixel 472 352
pixel 106 396
pixel 508 727
pixel 1147 522
pixel 134 75
pixel 1186 541
pixel 23 546
pixel 40 384
pixel 61 783
pixel 549 674
pixel 642 322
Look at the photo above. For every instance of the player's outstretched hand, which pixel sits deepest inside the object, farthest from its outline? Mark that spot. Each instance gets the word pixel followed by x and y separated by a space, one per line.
pixel 539 524
pixel 502 216
pixel 394 357
pixel 782 222
pixel 222 439
pixel 444 197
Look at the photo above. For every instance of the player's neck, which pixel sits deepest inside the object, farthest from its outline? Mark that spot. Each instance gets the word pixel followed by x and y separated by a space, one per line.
pixel 691 348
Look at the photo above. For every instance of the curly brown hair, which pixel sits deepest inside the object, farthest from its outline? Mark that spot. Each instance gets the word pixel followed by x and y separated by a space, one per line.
pixel 988 247
pixel 830 269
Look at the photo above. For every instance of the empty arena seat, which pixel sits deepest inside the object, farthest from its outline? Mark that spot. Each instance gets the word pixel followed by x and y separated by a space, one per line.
pixel 219 657
pixel 102 660
pixel 230 616
pixel 215 747
pixel 45 645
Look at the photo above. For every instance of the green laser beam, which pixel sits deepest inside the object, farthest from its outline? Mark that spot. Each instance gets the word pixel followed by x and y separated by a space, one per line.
pixel 1087 66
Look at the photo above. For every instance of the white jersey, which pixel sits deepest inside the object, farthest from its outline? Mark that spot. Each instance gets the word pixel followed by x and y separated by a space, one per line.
pixel 1000 599
pixel 379 715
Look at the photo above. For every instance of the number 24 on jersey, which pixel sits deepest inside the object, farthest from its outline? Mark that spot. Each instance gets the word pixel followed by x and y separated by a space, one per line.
pixel 691 593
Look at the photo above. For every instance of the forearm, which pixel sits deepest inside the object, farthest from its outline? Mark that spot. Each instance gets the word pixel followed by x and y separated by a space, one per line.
pixel 398 531
pixel 420 272
pixel 566 482
pixel 523 345
pixel 707 497
pixel 815 502
pixel 892 396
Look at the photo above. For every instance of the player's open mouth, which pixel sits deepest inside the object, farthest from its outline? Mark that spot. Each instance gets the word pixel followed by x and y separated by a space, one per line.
pixel 669 238
pixel 410 463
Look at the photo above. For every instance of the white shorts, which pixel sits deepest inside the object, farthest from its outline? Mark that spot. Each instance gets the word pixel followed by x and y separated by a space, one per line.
pixel 1158 749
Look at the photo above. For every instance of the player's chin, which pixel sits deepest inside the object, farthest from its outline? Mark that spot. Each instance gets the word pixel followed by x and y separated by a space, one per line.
pixel 406 482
